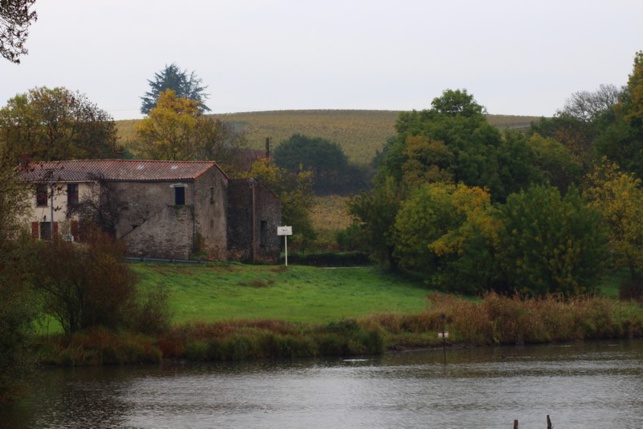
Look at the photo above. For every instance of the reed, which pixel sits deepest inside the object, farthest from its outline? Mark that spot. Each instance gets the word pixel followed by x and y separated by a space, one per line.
pixel 98 346
pixel 500 319
pixel 262 339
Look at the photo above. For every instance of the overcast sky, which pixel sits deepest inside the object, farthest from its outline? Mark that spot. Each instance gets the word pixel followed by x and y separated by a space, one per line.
pixel 517 57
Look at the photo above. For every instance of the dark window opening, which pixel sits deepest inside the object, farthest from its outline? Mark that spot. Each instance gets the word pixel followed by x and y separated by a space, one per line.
pixel 45 230
pixel 72 194
pixel 179 196
pixel 41 195
pixel 211 195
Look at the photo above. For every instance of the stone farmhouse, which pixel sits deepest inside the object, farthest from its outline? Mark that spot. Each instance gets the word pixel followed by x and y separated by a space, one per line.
pixel 161 209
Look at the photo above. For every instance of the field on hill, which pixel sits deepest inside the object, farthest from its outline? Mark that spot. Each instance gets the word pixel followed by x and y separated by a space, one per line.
pixel 360 133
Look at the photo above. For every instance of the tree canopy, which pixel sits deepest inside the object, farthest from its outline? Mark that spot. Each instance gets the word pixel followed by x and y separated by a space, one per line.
pixel 295 193
pixel 333 174
pixel 472 209
pixel 56 124
pixel 15 19
pixel 551 243
pixel 184 84
pixel 452 141
pixel 176 130
pixel 17 304
pixel 618 197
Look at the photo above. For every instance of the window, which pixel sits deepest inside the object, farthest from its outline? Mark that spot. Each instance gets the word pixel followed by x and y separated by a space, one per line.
pixel 45 230
pixel 211 194
pixel 72 194
pixel 41 195
pixel 179 195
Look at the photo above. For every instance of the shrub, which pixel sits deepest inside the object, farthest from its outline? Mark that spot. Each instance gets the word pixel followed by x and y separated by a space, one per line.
pixel 99 346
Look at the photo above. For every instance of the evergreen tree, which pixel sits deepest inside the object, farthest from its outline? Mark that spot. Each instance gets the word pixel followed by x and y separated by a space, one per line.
pixel 183 84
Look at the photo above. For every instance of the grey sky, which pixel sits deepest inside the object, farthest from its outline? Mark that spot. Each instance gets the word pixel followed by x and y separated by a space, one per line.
pixel 516 57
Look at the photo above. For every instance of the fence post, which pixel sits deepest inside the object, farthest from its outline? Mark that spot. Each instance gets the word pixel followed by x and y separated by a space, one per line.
pixel 515 424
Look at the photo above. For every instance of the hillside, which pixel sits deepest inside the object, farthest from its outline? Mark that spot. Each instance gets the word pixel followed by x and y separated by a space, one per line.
pixel 361 133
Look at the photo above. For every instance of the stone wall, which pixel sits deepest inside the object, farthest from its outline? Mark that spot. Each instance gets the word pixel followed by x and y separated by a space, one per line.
pixel 254 213
pixel 166 234
pixel 210 195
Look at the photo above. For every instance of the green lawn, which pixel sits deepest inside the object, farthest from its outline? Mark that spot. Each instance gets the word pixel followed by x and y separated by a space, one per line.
pixel 299 293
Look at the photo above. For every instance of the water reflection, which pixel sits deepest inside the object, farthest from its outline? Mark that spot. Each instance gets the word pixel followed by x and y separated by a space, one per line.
pixel 580 386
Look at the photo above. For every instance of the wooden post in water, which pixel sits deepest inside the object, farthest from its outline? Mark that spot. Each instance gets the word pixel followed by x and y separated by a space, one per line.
pixel 444 336
pixel 549 425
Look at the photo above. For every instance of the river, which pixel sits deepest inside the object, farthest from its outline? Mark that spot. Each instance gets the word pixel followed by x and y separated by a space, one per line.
pixel 580 385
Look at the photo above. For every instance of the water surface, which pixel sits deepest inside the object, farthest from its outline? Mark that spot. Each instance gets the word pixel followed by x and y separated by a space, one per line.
pixel 583 385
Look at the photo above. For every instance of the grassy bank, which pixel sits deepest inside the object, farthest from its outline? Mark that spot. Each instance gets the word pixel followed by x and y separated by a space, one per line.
pixel 213 292
pixel 236 312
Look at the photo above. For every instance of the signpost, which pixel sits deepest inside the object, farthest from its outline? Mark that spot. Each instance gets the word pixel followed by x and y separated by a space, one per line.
pixel 285 231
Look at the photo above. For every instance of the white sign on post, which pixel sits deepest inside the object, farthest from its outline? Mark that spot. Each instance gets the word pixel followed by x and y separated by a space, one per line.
pixel 285 231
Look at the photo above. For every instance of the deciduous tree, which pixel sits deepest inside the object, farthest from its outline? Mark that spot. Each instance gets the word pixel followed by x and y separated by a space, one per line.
pixel 621 141
pixel 436 230
pixel 374 212
pixel 56 124
pixel 176 130
pixel 85 286
pixel 589 106
pixel 17 304
pixel 618 196
pixel 554 163
pixel 295 193
pixel 468 151
pixel 551 244
pixel 327 161
pixel 15 19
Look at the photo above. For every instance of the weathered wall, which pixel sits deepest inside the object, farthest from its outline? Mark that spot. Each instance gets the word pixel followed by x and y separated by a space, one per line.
pixel 254 213
pixel 40 213
pixel 268 213
pixel 149 222
pixel 210 195
pixel 166 234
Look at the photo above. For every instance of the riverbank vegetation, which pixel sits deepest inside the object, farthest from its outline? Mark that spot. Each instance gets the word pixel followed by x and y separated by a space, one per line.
pixel 239 321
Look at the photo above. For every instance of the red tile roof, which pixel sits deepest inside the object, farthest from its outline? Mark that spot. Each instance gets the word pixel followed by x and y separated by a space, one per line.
pixel 119 170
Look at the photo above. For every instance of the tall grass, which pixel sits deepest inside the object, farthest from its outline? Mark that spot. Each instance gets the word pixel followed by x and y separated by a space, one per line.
pixel 242 340
pixel 510 320
pixel 97 346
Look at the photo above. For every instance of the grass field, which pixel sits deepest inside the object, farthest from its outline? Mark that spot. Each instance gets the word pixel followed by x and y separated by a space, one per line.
pixel 360 133
pixel 213 292
pixel 297 293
